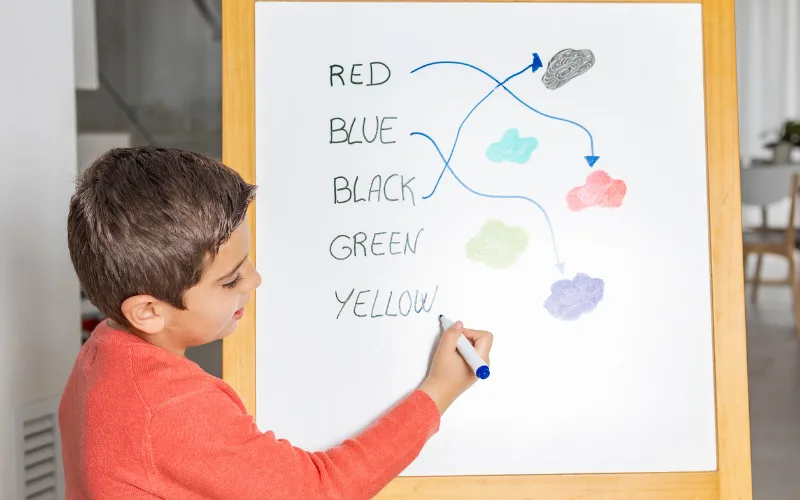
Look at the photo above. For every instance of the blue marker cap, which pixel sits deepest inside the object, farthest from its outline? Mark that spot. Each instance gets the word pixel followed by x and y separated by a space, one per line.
pixel 482 372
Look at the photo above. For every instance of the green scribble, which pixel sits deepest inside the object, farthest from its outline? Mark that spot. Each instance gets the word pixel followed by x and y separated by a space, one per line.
pixel 512 148
pixel 497 245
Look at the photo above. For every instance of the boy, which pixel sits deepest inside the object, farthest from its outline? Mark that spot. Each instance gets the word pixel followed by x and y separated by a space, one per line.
pixel 159 240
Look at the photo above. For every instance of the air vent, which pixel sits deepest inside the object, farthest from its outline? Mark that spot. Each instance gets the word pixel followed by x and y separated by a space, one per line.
pixel 39 470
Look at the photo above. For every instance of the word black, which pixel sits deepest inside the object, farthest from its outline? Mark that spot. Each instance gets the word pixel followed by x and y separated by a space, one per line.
pixel 344 193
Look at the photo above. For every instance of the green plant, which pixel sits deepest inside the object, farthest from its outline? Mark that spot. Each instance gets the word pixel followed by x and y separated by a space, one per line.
pixel 789 133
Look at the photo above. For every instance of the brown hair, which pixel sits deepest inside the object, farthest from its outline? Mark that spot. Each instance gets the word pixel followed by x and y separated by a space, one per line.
pixel 147 220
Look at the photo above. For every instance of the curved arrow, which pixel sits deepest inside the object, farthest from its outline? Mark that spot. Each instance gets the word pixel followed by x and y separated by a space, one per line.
pixel 534 66
pixel 591 159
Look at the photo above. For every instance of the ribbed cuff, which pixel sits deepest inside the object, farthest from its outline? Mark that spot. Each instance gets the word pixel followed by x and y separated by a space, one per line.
pixel 424 405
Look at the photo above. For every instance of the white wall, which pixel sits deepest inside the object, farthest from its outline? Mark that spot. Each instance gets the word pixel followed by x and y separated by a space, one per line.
pixel 85 43
pixel 39 300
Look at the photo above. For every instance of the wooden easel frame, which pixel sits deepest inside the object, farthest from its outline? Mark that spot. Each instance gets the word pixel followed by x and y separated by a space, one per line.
pixel 732 480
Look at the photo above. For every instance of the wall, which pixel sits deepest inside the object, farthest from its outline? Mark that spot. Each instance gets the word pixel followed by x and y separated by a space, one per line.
pixel 85 43
pixel 39 310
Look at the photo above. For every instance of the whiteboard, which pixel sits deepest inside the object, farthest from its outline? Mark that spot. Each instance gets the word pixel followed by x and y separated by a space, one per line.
pixel 571 221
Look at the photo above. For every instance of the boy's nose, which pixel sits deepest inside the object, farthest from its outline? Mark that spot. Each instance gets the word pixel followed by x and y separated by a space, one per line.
pixel 256 280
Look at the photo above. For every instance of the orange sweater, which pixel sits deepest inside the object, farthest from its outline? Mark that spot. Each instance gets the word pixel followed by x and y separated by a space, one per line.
pixel 138 422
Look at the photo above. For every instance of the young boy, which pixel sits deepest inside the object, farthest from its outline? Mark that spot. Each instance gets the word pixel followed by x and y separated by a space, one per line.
pixel 159 241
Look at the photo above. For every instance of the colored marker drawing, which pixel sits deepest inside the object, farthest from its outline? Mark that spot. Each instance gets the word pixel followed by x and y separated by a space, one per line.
pixel 569 299
pixel 591 159
pixel 566 65
pixel 497 245
pixel 600 190
pixel 512 148
pixel 535 65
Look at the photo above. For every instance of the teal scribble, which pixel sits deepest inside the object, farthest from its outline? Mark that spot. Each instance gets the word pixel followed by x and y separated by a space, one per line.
pixel 512 148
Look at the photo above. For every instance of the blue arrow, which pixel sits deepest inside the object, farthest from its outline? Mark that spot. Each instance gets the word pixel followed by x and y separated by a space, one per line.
pixel 559 265
pixel 537 63
pixel 464 121
pixel 591 159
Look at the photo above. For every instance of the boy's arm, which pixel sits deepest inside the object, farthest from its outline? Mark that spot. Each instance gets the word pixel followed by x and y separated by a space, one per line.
pixel 205 443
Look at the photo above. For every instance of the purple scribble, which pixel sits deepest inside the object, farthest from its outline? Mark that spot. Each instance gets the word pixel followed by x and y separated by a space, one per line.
pixel 571 298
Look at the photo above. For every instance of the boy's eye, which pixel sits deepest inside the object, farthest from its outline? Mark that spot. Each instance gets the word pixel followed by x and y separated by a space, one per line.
pixel 235 281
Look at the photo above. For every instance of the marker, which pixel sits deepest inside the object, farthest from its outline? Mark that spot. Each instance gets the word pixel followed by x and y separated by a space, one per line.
pixel 468 351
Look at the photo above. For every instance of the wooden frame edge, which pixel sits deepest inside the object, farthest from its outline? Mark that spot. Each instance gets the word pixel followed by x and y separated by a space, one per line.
pixel 500 1
pixel 725 238
pixel 662 486
pixel 238 152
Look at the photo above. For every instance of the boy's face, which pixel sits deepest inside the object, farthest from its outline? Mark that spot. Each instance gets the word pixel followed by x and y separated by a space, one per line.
pixel 216 304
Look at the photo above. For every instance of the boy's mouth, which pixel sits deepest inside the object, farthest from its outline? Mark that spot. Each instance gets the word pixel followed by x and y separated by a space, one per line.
pixel 238 314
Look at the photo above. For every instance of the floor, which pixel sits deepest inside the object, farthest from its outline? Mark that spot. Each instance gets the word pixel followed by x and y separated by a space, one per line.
pixel 774 374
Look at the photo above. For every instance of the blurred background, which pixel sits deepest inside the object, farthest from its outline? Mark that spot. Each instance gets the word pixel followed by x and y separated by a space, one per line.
pixel 153 75
pixel 158 77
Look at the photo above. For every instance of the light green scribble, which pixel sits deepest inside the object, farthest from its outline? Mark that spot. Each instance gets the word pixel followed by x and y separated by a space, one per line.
pixel 497 245
pixel 512 148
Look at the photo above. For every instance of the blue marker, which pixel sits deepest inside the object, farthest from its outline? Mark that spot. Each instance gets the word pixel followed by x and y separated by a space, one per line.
pixel 468 352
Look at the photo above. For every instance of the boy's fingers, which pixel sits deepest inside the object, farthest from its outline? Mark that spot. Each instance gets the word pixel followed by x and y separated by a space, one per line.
pixel 483 346
pixel 476 335
pixel 482 340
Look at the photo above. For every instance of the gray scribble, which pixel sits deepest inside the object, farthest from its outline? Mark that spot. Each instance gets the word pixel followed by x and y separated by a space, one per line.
pixel 571 298
pixel 566 65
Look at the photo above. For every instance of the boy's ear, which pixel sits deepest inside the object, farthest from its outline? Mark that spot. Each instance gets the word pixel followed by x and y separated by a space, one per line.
pixel 145 313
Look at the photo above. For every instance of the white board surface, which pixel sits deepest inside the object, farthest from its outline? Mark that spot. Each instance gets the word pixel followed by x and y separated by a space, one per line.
pixel 625 386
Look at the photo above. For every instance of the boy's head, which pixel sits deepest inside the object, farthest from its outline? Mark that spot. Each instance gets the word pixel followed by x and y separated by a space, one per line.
pixel 159 241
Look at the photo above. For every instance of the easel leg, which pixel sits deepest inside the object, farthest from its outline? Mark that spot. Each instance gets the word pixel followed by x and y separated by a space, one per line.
pixel 757 277
pixel 795 292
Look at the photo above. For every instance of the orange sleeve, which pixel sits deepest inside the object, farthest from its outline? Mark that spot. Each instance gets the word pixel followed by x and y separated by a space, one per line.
pixel 206 444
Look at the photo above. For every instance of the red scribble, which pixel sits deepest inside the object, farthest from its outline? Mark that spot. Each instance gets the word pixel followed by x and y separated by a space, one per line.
pixel 600 190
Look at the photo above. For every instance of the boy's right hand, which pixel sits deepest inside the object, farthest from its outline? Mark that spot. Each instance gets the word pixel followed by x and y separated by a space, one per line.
pixel 450 375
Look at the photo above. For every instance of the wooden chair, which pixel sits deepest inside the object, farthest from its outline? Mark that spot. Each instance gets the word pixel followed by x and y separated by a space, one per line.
pixel 764 186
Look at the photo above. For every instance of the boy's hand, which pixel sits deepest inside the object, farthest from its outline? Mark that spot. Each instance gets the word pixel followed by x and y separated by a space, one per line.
pixel 450 375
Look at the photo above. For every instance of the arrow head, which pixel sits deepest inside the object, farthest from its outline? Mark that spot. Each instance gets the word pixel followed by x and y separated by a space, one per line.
pixel 537 63
pixel 591 160
pixel 560 267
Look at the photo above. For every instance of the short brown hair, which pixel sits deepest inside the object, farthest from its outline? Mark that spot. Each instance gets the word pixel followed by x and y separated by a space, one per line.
pixel 146 221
